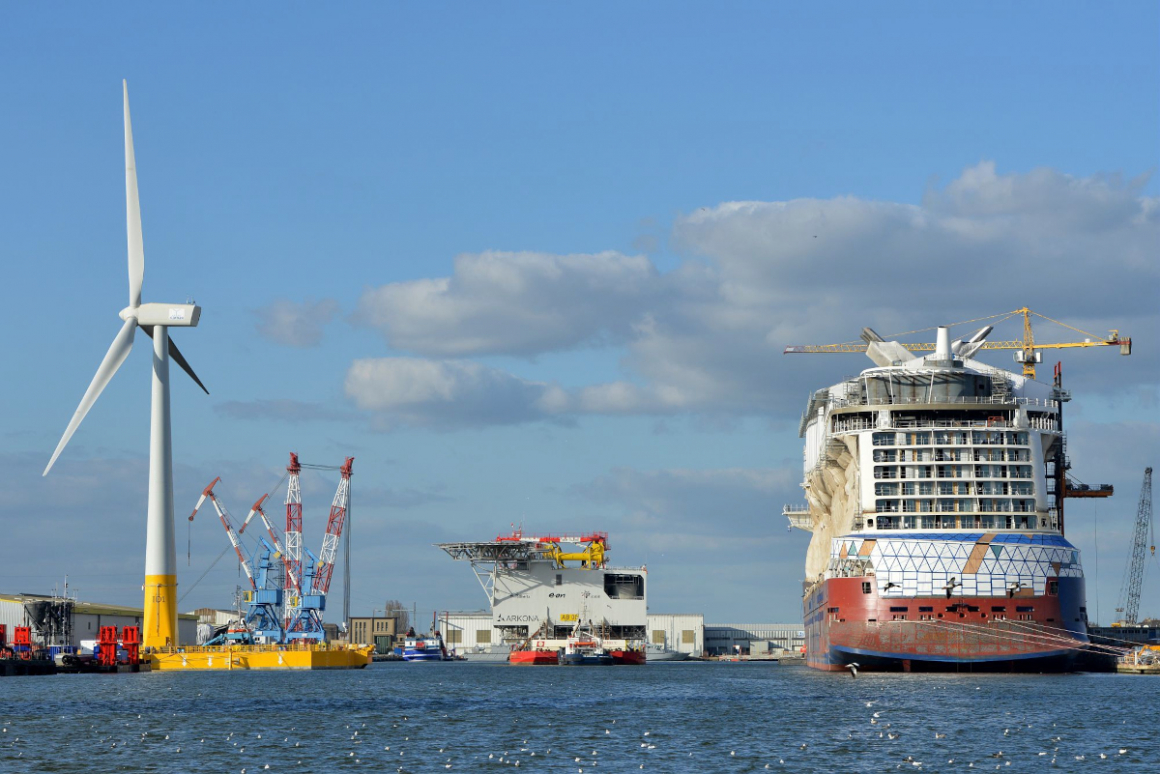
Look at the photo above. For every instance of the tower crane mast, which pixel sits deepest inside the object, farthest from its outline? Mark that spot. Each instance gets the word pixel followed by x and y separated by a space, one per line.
pixel 294 585
pixel 1134 574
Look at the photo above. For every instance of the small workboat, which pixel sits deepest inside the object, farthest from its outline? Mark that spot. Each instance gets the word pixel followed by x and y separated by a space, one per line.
pixel 424 647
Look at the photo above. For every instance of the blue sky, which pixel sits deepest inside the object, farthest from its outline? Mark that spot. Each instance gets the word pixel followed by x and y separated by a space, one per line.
pixel 603 347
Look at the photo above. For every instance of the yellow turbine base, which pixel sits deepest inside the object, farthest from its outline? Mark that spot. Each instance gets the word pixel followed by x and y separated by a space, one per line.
pixel 159 629
pixel 229 657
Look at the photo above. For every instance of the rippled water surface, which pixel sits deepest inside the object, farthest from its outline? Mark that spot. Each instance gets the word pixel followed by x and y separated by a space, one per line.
pixel 662 717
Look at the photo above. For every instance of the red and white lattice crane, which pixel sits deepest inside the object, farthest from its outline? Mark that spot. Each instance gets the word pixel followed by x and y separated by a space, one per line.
pixel 224 515
pixel 334 525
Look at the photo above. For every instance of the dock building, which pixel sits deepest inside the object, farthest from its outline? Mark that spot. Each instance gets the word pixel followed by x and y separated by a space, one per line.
pixel 57 621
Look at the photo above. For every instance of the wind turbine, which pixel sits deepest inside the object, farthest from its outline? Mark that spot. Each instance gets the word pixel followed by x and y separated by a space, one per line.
pixel 160 610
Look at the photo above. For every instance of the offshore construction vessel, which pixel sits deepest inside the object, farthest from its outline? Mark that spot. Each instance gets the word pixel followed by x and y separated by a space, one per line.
pixel 934 488
pixel 543 589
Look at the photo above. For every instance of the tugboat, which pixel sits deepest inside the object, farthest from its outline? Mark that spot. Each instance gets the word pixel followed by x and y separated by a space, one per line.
pixel 585 648
pixel 424 647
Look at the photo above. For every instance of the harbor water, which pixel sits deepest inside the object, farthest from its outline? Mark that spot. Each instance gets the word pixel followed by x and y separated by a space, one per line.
pixel 696 717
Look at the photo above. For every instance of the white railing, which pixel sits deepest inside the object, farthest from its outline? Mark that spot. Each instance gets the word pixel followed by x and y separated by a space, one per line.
pixel 964 400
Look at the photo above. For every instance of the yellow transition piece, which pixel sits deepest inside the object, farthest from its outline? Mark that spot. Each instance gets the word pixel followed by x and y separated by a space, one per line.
pixel 160 612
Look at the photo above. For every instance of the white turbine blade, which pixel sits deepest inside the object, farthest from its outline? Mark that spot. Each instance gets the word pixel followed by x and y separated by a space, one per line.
pixel 116 355
pixel 132 213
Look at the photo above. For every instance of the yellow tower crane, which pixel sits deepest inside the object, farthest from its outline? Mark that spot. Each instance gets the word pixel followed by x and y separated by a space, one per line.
pixel 1027 351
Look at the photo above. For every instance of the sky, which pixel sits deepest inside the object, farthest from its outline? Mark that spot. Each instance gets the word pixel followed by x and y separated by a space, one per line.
pixel 536 265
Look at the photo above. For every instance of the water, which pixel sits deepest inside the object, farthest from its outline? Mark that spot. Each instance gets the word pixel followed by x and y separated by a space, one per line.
pixel 662 718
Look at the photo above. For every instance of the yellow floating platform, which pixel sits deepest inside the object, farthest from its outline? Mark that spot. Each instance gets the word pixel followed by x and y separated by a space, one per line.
pixel 228 657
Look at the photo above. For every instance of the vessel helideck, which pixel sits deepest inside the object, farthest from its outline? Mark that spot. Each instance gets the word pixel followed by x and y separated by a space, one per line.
pixel 933 488
pixel 542 589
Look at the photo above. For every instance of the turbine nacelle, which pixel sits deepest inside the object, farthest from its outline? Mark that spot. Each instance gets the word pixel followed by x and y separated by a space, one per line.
pixel 169 315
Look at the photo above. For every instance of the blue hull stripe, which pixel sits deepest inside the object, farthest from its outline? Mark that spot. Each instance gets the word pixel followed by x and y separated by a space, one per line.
pixel 945 659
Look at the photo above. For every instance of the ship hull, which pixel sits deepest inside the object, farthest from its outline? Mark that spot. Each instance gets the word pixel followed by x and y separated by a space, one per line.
pixel 847 626
pixel 244 657
pixel 534 658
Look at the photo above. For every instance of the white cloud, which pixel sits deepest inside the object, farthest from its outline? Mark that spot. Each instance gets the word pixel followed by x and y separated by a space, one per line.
pixel 514 303
pixel 447 393
pixel 707 337
pixel 296 324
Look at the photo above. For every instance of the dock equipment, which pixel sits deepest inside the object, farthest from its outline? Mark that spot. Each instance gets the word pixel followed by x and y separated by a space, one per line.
pixel 263 619
pixel 107 646
pixel 307 624
pixel 131 640
pixel 1134 573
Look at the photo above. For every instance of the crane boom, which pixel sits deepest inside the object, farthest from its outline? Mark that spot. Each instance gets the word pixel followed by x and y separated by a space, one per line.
pixel 1026 349
pixel 333 530
pixel 224 515
pixel 1134 574
pixel 273 533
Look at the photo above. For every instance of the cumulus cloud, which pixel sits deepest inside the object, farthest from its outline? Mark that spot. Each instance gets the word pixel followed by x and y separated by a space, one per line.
pixel 280 409
pixel 430 392
pixel 515 303
pixel 707 337
pixel 296 324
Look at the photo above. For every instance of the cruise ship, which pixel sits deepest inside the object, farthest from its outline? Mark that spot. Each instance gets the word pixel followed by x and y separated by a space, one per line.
pixel 933 491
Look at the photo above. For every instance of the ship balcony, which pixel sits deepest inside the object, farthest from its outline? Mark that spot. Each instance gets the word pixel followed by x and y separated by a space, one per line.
pixel 799 516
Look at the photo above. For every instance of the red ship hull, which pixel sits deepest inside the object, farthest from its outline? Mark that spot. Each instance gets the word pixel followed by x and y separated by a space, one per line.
pixel 534 658
pixel 627 657
pixel 849 625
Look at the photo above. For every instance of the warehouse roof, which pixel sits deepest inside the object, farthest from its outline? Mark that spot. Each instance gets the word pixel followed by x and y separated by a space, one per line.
pixel 92 608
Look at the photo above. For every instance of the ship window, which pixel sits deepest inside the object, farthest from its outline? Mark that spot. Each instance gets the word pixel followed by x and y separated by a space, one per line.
pixel 1053 587
pixel 998 609
pixel 926 609
pixel 872 620
pixel 831 609
pixel 899 609
pixel 1024 609
pixel 624 586
pixel 865 587
pixel 559 580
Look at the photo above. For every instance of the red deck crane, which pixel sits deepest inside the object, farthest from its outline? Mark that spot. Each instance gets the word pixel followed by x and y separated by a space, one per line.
pixel 224 515
pixel 334 524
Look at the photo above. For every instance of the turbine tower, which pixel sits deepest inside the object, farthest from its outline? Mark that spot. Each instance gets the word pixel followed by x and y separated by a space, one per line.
pixel 154 319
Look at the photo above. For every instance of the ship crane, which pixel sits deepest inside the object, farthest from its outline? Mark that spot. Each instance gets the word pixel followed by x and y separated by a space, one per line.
pixel 294 586
pixel 1027 350
pixel 273 532
pixel 1134 575
pixel 307 621
pixel 224 516
pixel 262 620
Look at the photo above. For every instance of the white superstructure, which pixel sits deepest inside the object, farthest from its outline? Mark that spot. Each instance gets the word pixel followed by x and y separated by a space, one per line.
pixel 532 588
pixel 941 442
